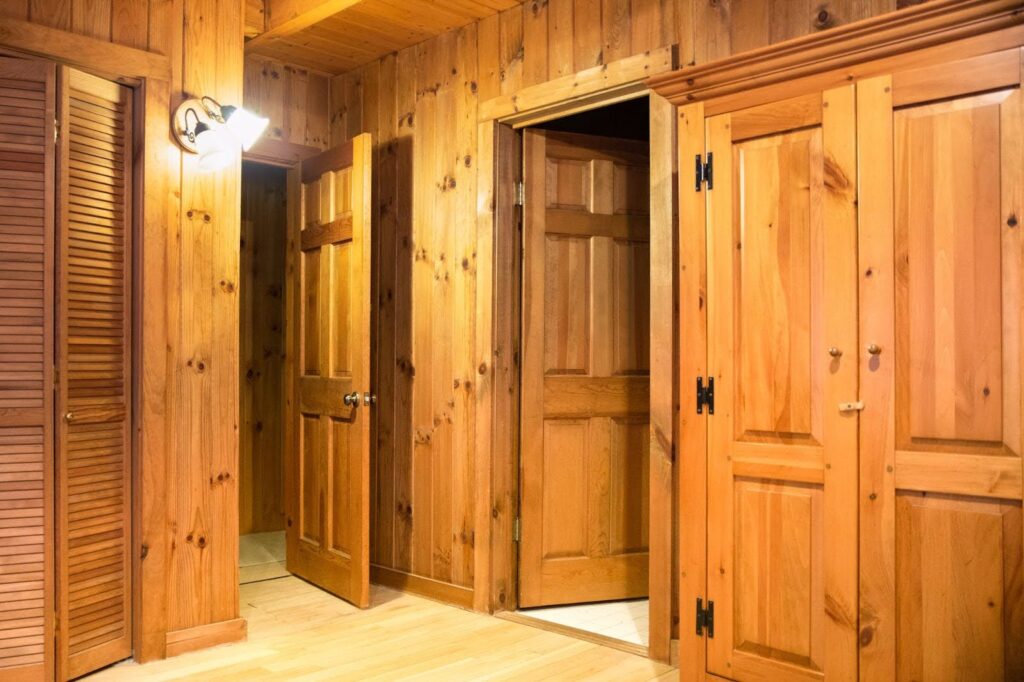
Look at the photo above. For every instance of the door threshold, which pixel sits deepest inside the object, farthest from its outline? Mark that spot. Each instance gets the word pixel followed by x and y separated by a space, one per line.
pixel 603 640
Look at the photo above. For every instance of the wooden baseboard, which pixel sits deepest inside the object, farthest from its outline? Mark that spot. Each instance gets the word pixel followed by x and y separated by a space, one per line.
pixel 593 637
pixel 204 636
pixel 424 587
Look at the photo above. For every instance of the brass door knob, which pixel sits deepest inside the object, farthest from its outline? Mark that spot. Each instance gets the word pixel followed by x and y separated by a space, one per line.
pixel 369 399
pixel 69 417
pixel 834 352
pixel 351 399
pixel 874 349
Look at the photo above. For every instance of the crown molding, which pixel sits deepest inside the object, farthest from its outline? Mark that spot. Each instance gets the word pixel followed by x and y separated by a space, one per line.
pixel 889 35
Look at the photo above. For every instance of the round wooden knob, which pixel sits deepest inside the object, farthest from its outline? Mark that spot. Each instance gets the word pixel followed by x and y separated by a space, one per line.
pixel 874 349
pixel 834 352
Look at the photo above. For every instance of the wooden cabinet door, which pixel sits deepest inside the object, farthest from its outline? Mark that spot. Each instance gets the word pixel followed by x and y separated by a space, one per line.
pixel 327 472
pixel 782 350
pixel 943 429
pixel 94 396
pixel 27 114
pixel 585 384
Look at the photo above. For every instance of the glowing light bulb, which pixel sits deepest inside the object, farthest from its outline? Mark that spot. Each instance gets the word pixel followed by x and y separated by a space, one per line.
pixel 246 126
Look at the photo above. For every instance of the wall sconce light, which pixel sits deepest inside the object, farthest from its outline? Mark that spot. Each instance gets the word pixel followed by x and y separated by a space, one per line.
pixel 214 132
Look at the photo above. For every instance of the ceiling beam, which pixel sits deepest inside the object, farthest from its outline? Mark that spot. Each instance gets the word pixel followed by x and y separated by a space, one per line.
pixel 286 17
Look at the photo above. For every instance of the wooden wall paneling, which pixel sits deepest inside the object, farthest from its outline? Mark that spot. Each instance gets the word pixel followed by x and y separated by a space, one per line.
pixel 94 390
pixel 463 164
pixel 261 352
pixel 295 99
pixel 27 200
pixel 616 30
pixel 202 411
pixel 733 26
pixel 691 459
pixel 404 370
pixel 511 50
pixel 663 357
pixel 535 41
pixel 560 37
pixel 587 45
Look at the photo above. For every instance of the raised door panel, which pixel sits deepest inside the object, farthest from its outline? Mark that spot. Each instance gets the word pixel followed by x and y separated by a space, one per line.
pixel 94 304
pixel 585 371
pixel 782 454
pixel 945 334
pixel 327 484
pixel 27 109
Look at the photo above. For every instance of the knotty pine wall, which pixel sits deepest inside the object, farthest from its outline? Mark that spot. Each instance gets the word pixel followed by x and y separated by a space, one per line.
pixel 191 555
pixel 421 106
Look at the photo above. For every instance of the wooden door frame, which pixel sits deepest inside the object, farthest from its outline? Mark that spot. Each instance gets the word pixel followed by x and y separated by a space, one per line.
pixel 149 76
pixel 499 241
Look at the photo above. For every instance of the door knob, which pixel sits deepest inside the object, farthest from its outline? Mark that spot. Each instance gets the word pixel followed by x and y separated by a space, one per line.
pixel 834 352
pixel 69 417
pixel 874 349
pixel 369 399
pixel 351 399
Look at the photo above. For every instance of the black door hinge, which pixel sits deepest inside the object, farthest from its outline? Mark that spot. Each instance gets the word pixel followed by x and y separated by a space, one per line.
pixel 705 618
pixel 705 395
pixel 704 172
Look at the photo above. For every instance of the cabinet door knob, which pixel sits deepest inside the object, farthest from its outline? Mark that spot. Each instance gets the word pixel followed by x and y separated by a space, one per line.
pixel 834 352
pixel 69 417
pixel 874 349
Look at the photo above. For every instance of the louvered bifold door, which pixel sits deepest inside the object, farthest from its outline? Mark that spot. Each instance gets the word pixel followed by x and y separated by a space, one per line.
pixel 94 384
pixel 26 391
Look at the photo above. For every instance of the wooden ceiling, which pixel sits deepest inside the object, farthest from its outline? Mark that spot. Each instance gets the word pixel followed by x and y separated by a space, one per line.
pixel 335 36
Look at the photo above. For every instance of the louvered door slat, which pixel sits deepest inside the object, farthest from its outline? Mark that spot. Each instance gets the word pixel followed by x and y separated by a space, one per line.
pixel 27 90
pixel 94 394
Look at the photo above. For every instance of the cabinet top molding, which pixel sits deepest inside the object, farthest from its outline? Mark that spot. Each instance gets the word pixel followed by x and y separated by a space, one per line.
pixel 932 24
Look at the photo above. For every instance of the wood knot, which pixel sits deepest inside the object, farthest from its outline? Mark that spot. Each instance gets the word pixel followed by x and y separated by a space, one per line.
pixel 867 633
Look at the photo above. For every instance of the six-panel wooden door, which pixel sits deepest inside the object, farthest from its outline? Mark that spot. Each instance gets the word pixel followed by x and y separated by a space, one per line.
pixel 327 472
pixel 585 374
pixel 782 454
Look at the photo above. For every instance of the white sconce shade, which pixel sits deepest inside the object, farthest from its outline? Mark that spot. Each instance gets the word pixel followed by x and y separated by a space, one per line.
pixel 216 148
pixel 245 125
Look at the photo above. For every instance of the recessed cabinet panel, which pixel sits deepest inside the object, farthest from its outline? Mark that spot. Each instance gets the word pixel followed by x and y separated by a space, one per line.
pixel 958 586
pixel 949 274
pixel 778 236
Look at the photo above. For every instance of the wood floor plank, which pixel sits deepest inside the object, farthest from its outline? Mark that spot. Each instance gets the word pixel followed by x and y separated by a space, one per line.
pixel 299 632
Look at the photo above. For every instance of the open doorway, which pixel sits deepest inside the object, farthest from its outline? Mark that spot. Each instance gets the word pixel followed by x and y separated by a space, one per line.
pixel 585 410
pixel 261 363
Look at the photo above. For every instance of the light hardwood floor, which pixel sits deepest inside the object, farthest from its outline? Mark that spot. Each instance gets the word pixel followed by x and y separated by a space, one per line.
pixel 298 632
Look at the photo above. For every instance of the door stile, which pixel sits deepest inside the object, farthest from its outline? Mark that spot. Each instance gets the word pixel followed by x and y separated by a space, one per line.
pixel 876 280
pixel 693 354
